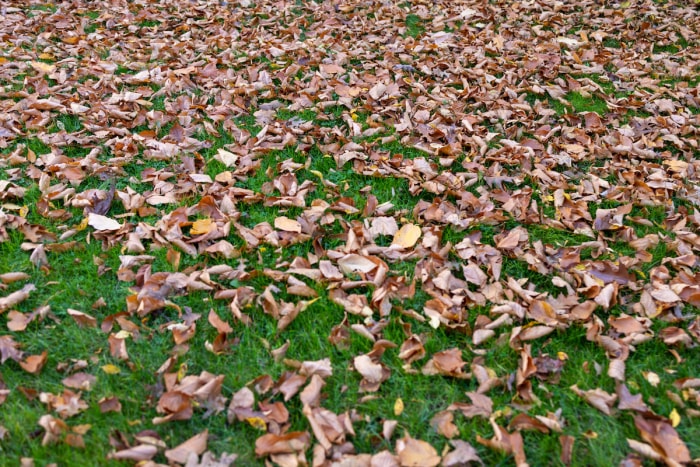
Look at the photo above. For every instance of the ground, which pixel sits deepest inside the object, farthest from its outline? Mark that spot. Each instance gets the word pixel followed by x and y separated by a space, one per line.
pixel 361 232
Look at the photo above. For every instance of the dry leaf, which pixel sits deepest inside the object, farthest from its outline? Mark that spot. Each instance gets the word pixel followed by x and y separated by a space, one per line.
pixel 407 236
pixel 101 223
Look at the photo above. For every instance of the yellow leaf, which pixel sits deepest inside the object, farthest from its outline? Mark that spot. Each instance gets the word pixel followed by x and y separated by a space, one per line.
pixel 407 236
pixel 23 211
pixel 182 372
pixel 111 369
pixel 202 226
pixel 398 407
pixel 562 356
pixel 675 418
pixel 651 377
pixel 43 67
pixel 83 224
pixel 46 56
pixel 257 423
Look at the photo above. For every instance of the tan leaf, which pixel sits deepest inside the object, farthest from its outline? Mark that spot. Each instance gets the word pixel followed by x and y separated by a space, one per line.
pixel 219 324
pixel 442 422
pixel 100 223
pixel 288 225
pixel 598 398
pixel 138 453
pixel 416 453
pixel 225 157
pixel 295 441
pixel 82 319
pixel 16 297
pixel 462 456
pixel 41 67
pixel 407 236
pixel 350 264
pixel 196 444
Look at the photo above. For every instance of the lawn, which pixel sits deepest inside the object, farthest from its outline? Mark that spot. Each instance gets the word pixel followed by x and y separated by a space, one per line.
pixel 349 233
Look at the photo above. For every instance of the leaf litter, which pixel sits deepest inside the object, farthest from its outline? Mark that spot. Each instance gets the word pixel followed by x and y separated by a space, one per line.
pixel 547 154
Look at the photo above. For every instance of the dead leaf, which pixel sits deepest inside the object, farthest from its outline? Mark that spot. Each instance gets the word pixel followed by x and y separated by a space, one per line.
pixel 407 236
pixel 416 453
pixel 102 223
pixel 196 444
pixel 34 363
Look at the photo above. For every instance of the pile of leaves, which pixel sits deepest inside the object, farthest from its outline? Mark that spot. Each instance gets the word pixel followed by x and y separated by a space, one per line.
pixel 499 178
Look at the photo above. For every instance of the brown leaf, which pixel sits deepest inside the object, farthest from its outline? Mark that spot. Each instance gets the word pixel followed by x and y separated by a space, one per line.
pixel 110 404
pixel 9 349
pixel 416 453
pixel 510 443
pixel 626 401
pixel 296 441
pixel 82 319
pixel 665 440
pixel 219 324
pixel 16 297
pixel 567 448
pixel 598 398
pixel 442 423
pixel 463 455
pixel 34 363
pixel 196 444
pixel 117 347
pixel 482 406
pixel 138 453
pixel 80 380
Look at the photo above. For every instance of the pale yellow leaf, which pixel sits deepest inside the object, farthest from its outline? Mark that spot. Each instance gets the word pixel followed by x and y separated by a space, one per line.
pixel 202 226
pixel 99 222
pixel 407 236
pixel 287 224
pixel 398 407
pixel 42 67
pixel 111 369
pixel 675 418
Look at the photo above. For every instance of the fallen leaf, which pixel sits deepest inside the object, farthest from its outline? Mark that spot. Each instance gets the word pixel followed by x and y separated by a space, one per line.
pixel 407 236
pixel 101 223
pixel 196 444
pixel 286 224
pixel 34 363
pixel 416 453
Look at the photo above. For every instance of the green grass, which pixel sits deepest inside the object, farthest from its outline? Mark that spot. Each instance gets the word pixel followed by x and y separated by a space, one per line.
pixel 414 26
pixel 389 171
